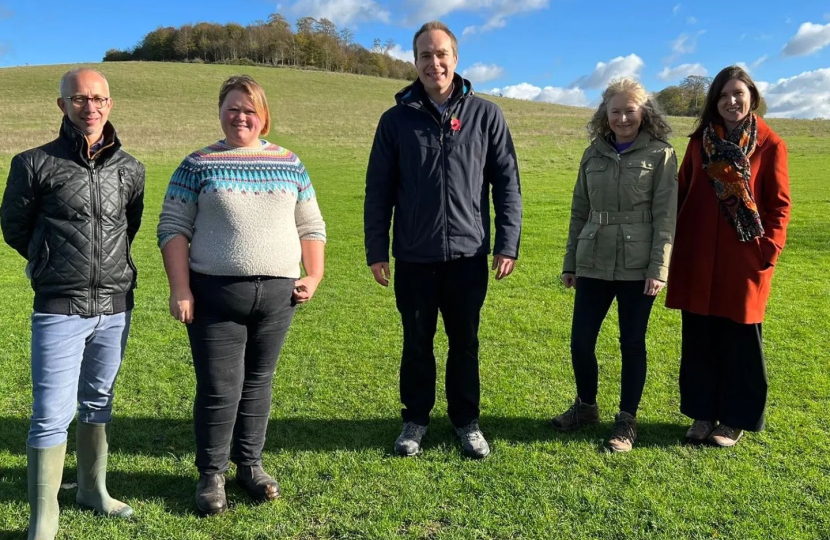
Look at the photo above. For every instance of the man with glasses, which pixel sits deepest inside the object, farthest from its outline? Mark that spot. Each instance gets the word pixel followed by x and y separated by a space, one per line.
pixel 72 208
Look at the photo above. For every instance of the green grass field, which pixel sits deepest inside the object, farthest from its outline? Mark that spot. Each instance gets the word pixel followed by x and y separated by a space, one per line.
pixel 335 409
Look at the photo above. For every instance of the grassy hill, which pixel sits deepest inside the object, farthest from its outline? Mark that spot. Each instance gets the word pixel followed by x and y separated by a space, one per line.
pixel 335 409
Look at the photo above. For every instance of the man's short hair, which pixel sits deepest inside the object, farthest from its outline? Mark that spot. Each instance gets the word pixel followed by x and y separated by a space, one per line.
pixel 69 75
pixel 434 25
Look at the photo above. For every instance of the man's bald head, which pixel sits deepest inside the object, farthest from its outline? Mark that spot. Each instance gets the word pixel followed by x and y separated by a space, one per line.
pixel 85 100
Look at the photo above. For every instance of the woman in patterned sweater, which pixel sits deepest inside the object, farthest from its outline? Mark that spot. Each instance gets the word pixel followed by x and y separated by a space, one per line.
pixel 238 217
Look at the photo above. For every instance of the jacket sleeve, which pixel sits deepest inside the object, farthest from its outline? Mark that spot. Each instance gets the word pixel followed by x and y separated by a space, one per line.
pixel 135 206
pixel 580 210
pixel 18 211
pixel 502 172
pixel 663 216
pixel 381 181
pixel 776 204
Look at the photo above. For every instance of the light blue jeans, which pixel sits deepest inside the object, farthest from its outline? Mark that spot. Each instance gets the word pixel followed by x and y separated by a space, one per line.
pixel 75 361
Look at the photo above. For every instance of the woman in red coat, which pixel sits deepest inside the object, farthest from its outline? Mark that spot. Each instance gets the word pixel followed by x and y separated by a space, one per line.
pixel 733 209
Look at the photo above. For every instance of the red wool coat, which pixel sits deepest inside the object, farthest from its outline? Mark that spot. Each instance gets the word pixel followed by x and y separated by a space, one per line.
pixel 711 271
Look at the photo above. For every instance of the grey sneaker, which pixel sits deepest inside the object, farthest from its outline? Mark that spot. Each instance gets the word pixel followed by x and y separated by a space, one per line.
pixel 578 415
pixel 624 433
pixel 409 441
pixel 699 431
pixel 472 441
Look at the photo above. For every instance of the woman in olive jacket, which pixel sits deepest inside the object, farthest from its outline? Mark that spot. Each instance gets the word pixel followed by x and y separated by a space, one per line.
pixel 619 244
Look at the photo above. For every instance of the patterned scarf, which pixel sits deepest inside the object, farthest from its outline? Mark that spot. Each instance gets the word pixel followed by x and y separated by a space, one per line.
pixel 726 161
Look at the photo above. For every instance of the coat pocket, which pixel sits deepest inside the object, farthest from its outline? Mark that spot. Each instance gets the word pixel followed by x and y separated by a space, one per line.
pixel 637 239
pixel 586 245
pixel 595 174
pixel 39 259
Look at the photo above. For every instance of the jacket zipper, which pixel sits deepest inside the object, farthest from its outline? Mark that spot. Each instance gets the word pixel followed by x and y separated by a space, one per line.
pixel 443 173
pixel 95 197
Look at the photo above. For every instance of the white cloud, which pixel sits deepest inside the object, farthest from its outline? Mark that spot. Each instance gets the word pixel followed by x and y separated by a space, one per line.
pixel 682 71
pixel 621 66
pixel 685 43
pixel 495 12
pixel 810 38
pixel 563 96
pixel 342 12
pixel 806 95
pixel 481 73
pixel 691 20
pixel 676 9
pixel 397 52
pixel 548 94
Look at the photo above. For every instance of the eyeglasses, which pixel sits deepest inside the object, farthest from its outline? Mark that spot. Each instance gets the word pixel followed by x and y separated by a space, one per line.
pixel 79 102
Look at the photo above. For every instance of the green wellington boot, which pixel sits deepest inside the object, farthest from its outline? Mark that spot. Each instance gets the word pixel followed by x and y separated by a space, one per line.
pixel 45 469
pixel 92 450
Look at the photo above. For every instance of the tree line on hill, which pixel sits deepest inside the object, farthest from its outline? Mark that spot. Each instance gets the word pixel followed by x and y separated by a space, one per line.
pixel 316 44
pixel 689 97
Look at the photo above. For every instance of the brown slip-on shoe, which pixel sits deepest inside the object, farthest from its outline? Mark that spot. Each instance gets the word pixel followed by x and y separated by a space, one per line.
pixel 725 436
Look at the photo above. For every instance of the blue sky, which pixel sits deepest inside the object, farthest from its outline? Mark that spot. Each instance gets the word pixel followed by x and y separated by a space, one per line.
pixel 562 51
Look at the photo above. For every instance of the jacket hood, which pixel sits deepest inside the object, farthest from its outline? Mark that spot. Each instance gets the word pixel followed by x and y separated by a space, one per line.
pixel 416 93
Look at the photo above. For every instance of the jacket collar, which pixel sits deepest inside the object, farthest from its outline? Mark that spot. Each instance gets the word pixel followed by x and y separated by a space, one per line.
pixel 604 145
pixel 79 144
pixel 416 95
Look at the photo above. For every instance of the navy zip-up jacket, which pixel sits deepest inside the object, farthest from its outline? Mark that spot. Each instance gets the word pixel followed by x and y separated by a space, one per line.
pixel 435 172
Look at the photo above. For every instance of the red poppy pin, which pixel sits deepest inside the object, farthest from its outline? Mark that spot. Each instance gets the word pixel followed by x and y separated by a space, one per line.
pixel 455 124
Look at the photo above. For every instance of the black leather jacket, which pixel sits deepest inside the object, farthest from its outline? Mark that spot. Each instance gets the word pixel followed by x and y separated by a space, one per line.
pixel 73 217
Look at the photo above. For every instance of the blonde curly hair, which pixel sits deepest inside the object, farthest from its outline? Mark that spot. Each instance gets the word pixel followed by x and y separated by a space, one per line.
pixel 653 118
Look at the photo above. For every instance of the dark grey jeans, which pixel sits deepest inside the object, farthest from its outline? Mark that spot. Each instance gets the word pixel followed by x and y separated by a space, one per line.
pixel 238 329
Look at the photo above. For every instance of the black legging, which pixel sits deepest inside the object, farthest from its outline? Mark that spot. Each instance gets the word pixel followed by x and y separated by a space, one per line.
pixel 238 329
pixel 593 298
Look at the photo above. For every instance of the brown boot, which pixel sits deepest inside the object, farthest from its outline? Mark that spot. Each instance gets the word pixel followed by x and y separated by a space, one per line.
pixel 258 483
pixel 210 494
pixel 624 432
pixel 578 415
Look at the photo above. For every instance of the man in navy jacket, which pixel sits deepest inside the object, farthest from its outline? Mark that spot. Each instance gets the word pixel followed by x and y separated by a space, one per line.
pixel 435 157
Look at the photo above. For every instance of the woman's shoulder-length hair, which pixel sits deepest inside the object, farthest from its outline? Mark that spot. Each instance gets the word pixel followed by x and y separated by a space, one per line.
pixel 709 113
pixel 653 119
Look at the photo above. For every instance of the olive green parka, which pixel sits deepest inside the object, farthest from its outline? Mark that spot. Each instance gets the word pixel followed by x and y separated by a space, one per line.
pixel 623 211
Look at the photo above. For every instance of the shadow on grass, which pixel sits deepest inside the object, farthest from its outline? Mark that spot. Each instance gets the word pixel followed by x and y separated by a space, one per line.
pixel 174 437
pixel 174 492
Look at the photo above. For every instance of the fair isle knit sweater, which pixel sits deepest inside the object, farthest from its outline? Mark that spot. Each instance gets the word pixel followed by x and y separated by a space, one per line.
pixel 244 210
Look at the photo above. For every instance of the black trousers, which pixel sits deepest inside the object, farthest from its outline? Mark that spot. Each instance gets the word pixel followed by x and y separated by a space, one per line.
pixel 723 374
pixel 593 299
pixel 457 289
pixel 238 328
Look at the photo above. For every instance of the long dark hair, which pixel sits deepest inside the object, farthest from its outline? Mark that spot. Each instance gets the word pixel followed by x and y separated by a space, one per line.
pixel 709 113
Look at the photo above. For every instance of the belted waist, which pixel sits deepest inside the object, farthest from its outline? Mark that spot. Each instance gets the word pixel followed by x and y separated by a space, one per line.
pixel 615 218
